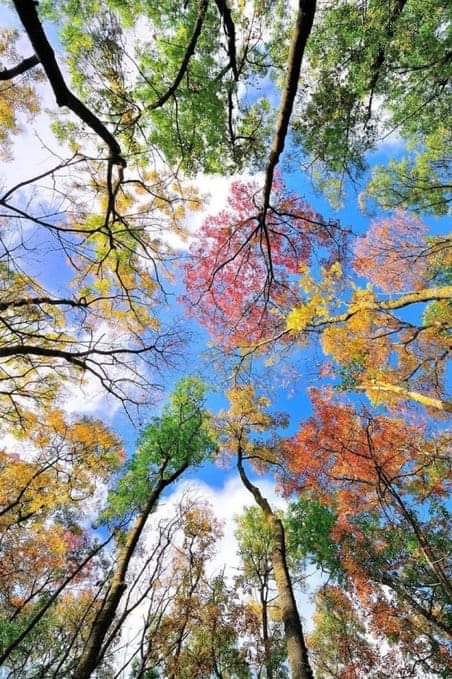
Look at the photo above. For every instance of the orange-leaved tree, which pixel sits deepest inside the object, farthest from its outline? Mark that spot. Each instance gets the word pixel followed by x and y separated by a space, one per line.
pixel 386 481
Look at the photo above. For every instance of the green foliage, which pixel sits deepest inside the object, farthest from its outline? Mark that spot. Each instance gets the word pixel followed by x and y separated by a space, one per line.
pixel 204 126
pixel 255 538
pixel 308 529
pixel 375 68
pixel 180 437
pixel 420 181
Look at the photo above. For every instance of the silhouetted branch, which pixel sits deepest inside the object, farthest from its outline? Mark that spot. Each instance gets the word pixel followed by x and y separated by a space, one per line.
pixel 23 67
pixel 64 97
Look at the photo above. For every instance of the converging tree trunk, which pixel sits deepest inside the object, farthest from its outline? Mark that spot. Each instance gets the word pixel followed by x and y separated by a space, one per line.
pixel 297 652
pixel 94 650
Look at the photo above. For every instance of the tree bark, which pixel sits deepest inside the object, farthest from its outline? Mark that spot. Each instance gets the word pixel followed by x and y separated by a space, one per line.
pixel 302 31
pixel 26 9
pixel 24 66
pixel 187 56
pixel 297 652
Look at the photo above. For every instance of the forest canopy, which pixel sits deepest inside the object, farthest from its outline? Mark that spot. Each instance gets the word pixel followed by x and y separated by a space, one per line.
pixel 225 332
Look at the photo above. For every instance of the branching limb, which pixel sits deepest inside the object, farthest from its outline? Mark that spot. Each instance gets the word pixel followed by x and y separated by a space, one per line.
pixel 64 97
pixel 24 66
pixel 187 56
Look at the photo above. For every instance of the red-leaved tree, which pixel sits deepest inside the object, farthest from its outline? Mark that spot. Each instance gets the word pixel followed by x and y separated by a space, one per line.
pixel 242 277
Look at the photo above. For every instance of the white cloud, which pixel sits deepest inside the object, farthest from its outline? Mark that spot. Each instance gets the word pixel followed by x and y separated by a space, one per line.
pixel 214 191
pixel 226 503
pixel 88 398
pixel 22 448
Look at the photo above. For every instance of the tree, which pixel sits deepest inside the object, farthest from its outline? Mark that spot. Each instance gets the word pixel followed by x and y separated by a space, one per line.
pixel 57 466
pixel 309 525
pixel 377 69
pixel 240 281
pixel 178 439
pixel 339 643
pixel 198 633
pixel 105 225
pixel 420 183
pixel 45 481
pixel 245 419
pixel 177 92
pixel 386 482
pixel 101 321
pixel 254 535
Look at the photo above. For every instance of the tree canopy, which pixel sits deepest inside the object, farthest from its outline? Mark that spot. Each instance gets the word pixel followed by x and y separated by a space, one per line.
pixel 225 332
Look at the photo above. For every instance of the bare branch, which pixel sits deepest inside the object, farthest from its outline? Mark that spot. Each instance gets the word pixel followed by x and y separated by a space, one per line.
pixel 24 66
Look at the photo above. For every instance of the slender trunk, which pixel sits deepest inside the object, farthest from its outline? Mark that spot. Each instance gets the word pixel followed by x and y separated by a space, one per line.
pixel 302 30
pixel 186 60
pixel 265 635
pixel 296 647
pixel 432 560
pixel 93 652
pixel 427 614
pixel 42 611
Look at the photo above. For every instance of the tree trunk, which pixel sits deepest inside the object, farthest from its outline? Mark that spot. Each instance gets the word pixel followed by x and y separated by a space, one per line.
pixel 93 652
pixel 433 561
pixel 297 652
pixel 265 635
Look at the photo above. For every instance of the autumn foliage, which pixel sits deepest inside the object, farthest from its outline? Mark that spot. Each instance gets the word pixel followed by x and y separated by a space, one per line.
pixel 241 279
pixel 109 566
pixel 350 454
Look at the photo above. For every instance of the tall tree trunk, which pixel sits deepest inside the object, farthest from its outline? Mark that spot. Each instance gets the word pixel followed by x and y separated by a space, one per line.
pixel 297 652
pixel 265 636
pixel 93 652
pixel 434 562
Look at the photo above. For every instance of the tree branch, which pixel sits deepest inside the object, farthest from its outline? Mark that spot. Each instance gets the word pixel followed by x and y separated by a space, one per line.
pixel 427 401
pixel 22 67
pixel 64 97
pixel 229 28
pixel 303 26
pixel 188 55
